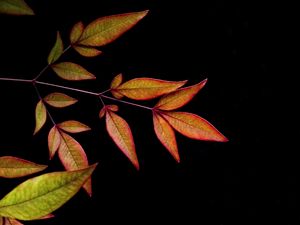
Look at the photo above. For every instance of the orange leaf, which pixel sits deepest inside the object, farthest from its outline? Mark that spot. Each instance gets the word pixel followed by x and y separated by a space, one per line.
pixel 59 100
pixel 119 130
pixel 166 135
pixel 54 140
pixel 76 32
pixel 57 50
pixel 73 126
pixel 180 97
pixel 9 221
pixel 87 51
pixel 116 81
pixel 13 167
pixel 193 126
pixel 107 29
pixel 73 157
pixel 147 88
pixel 72 71
pixel 113 108
pixel 40 116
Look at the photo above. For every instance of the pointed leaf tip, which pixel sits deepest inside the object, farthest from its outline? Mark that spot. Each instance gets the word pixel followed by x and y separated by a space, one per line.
pixel 57 50
pixel 76 32
pixel 15 7
pixel 40 116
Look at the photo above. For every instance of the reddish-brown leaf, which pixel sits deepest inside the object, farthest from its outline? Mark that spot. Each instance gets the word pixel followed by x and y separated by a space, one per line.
pixel 166 135
pixel 54 140
pixel 73 126
pixel 9 221
pixel 73 157
pixel 193 126
pixel 147 88
pixel 87 51
pixel 113 108
pixel 59 100
pixel 119 130
pixel 180 97
pixel 76 32
pixel 12 167
pixel 40 116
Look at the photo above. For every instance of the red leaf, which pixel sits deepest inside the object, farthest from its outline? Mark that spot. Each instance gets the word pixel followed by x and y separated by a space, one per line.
pixel 9 221
pixel 113 108
pixel 40 116
pixel 73 126
pixel 54 139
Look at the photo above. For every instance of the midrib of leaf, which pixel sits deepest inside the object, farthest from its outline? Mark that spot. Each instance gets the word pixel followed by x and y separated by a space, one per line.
pixel 179 120
pixel 134 88
pixel 68 148
pixel 117 129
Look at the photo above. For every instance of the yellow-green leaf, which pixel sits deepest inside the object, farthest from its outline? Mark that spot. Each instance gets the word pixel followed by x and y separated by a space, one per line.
pixel 40 116
pixel 73 126
pixel 76 32
pixel 107 29
pixel 54 139
pixel 73 157
pixel 57 50
pixel 15 7
pixel 87 51
pixel 12 167
pixel 72 71
pixel 116 81
pixel 147 88
pixel 59 100
pixel 39 196
pixel 180 97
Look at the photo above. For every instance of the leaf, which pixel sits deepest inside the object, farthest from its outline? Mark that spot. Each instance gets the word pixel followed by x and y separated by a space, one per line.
pixel 39 196
pixel 13 167
pixel 76 32
pixel 15 7
pixel 72 71
pixel 73 157
pixel 166 135
pixel 73 126
pixel 193 126
pixel 147 88
pixel 113 108
pixel 119 130
pixel 116 81
pixel 107 29
pixel 180 97
pixel 40 116
pixel 54 139
pixel 87 51
pixel 57 50
pixel 59 100
pixel 9 221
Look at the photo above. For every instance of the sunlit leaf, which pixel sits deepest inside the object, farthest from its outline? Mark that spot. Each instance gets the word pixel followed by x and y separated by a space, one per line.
pixel 72 71
pixel 116 81
pixel 119 130
pixel 107 29
pixel 113 108
pixel 39 196
pixel 12 167
pixel 40 116
pixel 87 51
pixel 73 126
pixel 73 157
pixel 147 88
pixel 180 97
pixel 9 221
pixel 166 135
pixel 76 32
pixel 54 139
pixel 57 50
pixel 193 126
pixel 15 7
pixel 59 100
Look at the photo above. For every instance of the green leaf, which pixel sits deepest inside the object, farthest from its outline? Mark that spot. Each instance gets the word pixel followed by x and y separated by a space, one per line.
pixel 72 71
pixel 12 167
pixel 15 7
pixel 107 29
pixel 39 196
pixel 40 116
pixel 57 50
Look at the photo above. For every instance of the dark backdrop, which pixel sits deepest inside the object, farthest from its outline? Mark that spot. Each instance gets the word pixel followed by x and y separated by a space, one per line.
pixel 233 44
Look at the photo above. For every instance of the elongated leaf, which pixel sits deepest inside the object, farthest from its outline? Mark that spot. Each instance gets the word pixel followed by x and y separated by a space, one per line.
pixel 15 7
pixel 107 29
pixel 166 135
pixel 193 126
pixel 116 82
pixel 57 50
pixel 54 139
pixel 76 32
pixel 73 126
pixel 12 167
pixel 40 116
pixel 39 196
pixel 119 130
pixel 113 108
pixel 147 88
pixel 72 71
pixel 59 100
pixel 180 97
pixel 87 51
pixel 73 157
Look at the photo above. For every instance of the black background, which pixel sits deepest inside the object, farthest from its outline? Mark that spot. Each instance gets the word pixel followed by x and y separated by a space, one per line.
pixel 235 45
